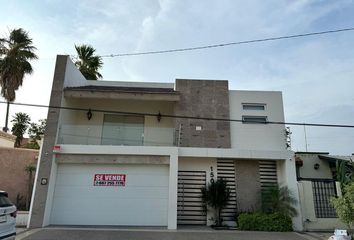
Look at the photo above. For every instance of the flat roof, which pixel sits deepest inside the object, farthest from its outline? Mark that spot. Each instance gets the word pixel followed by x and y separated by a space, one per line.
pixel 122 89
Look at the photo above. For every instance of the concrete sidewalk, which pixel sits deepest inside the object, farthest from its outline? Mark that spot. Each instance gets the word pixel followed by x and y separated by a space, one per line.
pixel 130 234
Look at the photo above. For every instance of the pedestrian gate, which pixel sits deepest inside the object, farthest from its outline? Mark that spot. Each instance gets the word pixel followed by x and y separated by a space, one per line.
pixel 190 204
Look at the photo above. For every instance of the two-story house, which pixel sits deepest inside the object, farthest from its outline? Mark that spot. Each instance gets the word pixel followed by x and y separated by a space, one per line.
pixel 137 153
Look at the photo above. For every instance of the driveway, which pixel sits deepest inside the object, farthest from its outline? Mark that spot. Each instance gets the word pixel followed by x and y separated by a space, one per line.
pixel 130 234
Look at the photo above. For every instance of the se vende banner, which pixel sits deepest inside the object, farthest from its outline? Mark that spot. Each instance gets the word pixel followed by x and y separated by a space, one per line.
pixel 109 180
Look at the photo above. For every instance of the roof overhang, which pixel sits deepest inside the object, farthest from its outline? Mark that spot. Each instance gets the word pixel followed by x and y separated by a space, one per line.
pixel 120 93
pixel 334 158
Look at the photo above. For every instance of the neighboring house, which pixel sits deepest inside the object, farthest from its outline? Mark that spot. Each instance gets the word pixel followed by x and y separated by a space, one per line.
pixel 14 178
pixel 316 174
pixel 7 140
pixel 101 165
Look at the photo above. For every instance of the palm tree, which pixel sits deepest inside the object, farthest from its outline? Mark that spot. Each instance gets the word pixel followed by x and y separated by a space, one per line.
pixel 21 123
pixel 16 51
pixel 280 200
pixel 87 62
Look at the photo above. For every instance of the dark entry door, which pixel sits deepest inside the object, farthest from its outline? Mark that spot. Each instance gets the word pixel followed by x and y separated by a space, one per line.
pixel 190 204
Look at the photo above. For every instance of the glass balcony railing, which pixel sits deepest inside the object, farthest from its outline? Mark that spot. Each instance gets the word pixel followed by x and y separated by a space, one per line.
pixel 116 135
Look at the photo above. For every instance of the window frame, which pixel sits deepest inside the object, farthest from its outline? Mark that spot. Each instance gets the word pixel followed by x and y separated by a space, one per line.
pixel 254 122
pixel 255 105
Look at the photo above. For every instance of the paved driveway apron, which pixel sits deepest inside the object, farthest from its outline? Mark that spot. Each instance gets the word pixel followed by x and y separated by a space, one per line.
pixel 109 234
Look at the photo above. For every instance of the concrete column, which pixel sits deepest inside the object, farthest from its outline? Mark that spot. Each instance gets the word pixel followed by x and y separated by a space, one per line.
pixel 172 192
pixel 287 177
pixel 39 200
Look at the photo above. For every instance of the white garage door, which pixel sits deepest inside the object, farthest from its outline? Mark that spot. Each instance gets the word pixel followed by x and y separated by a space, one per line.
pixel 143 201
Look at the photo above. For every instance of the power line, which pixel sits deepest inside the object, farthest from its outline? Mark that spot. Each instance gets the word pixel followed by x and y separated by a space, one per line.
pixel 179 116
pixel 228 44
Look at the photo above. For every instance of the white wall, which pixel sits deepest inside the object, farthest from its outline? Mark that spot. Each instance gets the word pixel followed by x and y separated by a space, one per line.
pixel 286 171
pixel 257 136
pixel 307 169
pixel 309 219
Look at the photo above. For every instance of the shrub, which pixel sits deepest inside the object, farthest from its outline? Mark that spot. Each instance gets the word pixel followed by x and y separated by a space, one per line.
pixel 275 222
pixel 280 200
pixel 345 205
pixel 216 195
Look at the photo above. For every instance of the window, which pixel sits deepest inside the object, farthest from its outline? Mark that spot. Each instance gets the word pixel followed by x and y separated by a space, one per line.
pixel 254 119
pixel 5 202
pixel 253 106
pixel 123 130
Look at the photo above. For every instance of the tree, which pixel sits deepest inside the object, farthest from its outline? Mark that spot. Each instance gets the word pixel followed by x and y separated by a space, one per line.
pixel 344 205
pixel 277 199
pixel 87 62
pixel 216 195
pixel 16 51
pixel 35 131
pixel 21 123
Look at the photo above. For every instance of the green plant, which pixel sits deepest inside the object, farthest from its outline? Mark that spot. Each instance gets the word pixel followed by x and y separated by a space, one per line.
pixel 216 195
pixel 29 169
pixel 20 204
pixel 16 51
pixel 87 62
pixel 344 205
pixel 277 199
pixel 276 222
pixel 21 122
pixel 35 131
pixel 345 172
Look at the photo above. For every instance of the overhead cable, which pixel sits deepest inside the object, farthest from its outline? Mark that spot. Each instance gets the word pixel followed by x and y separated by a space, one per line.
pixel 180 116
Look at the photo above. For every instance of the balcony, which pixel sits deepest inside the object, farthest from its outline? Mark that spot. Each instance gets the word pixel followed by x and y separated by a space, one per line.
pixel 116 135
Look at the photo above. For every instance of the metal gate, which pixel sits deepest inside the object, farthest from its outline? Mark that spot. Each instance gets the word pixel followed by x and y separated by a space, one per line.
pixel 226 171
pixel 323 190
pixel 190 204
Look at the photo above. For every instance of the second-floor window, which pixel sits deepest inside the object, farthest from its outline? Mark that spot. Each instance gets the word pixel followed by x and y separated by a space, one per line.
pixel 254 119
pixel 123 130
pixel 253 106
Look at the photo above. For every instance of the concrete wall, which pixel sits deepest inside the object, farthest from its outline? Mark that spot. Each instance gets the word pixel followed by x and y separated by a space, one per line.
pixel 286 172
pixel 307 169
pixel 5 142
pixel 309 219
pixel 79 130
pixel 13 177
pixel 45 168
pixel 257 136
pixel 248 186
pixel 203 98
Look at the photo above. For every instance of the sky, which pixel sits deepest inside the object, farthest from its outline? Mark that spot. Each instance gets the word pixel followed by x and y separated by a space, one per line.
pixel 315 74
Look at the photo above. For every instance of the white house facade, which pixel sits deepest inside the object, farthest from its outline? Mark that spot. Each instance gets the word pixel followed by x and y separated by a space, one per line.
pixel 137 153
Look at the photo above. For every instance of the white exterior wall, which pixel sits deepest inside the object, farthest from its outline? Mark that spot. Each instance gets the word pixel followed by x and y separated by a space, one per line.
pixel 307 169
pixel 287 177
pixel 309 219
pixel 257 136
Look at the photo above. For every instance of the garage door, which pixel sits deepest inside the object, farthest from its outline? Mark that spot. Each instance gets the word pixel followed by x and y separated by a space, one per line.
pixel 143 201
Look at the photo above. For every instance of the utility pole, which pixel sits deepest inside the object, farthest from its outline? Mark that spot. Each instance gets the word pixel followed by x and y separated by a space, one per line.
pixel 305 138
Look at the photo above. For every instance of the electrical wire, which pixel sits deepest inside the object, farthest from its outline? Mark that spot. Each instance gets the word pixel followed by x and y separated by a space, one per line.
pixel 181 116
pixel 228 44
